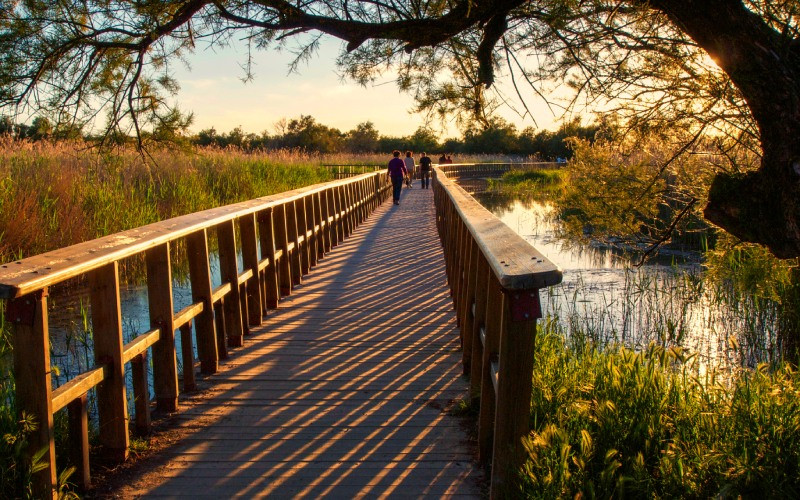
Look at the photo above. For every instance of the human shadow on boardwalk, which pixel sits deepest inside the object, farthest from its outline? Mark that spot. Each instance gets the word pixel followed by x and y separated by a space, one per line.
pixel 345 390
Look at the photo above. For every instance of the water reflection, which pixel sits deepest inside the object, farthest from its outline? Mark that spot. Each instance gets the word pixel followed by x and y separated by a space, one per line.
pixel 605 299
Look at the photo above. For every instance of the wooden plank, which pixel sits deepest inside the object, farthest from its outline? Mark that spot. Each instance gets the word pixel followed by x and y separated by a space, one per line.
pixel 78 418
pixel 112 403
pixel 140 393
pixel 159 298
pixel 247 227
pixel 516 263
pixel 28 318
pixel 229 271
pixel 202 292
pixel 187 357
pixel 267 240
pixel 140 344
pixel 78 387
pixel 187 314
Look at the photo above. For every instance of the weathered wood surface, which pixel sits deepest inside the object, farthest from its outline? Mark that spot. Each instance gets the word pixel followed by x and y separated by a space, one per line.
pixel 346 389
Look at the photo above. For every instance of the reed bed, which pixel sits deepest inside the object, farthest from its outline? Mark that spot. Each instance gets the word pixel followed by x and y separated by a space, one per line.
pixel 613 422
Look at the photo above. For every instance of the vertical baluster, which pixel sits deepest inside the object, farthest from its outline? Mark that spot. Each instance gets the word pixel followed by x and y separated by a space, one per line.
pixel 347 198
pixel 324 217
pixel 229 270
pixel 159 297
pixel 141 397
pixel 78 416
pixel 311 223
pixel 28 318
pixel 319 221
pixel 478 323
pixel 282 242
pixel 338 213
pixel 200 279
pixel 467 300
pixel 512 416
pixel 219 323
pixel 247 227
pixel 187 357
pixel 494 318
pixel 268 243
pixel 296 257
pixel 112 405
pixel 303 239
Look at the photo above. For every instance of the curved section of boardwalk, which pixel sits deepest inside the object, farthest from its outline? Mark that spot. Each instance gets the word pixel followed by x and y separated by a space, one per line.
pixel 345 391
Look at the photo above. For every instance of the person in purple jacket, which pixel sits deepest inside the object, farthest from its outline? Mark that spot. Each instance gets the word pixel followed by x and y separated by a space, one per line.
pixel 397 172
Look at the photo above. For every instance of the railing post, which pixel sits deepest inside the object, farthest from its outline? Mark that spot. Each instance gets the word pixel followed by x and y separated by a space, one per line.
pixel 78 416
pixel 229 271
pixel 200 279
pixel 112 404
pixel 303 240
pixel 319 223
pixel 247 227
pixel 491 347
pixel 478 323
pixel 282 241
pixel 296 258
pixel 329 234
pixel 338 212
pixel 159 297
pixel 28 318
pixel 267 238
pixel 141 394
pixel 467 299
pixel 520 311
pixel 187 357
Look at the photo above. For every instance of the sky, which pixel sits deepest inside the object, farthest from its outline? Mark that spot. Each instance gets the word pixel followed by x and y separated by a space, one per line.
pixel 213 89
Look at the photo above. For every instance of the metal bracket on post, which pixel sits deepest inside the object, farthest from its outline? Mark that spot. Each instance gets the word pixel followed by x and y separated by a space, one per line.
pixel 524 305
pixel 22 310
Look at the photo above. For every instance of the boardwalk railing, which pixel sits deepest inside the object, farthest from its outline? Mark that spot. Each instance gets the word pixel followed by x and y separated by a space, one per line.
pixel 281 238
pixel 474 170
pixel 346 171
pixel 495 277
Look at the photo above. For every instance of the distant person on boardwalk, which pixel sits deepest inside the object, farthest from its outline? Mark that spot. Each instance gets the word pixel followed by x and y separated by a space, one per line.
pixel 448 160
pixel 409 161
pixel 397 172
pixel 425 170
pixel 442 159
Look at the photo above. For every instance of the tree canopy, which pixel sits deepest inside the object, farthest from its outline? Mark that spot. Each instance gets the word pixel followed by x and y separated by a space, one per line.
pixel 726 69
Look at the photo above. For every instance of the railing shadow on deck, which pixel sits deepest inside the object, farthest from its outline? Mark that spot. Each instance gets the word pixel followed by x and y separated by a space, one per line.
pixel 282 237
pixel 402 356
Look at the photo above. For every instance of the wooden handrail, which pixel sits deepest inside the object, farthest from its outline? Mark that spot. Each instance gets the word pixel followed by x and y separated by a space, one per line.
pixel 495 277
pixel 24 276
pixel 292 230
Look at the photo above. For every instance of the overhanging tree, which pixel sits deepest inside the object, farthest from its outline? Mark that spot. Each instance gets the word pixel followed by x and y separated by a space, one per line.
pixel 729 68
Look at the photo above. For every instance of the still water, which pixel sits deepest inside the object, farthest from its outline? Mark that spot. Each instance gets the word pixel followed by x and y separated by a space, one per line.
pixel 607 300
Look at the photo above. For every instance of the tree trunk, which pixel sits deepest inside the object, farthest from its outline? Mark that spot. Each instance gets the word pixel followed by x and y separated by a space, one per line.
pixel 761 206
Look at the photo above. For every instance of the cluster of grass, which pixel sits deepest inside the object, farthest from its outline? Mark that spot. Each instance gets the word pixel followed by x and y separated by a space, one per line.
pixel 615 422
pixel 523 182
pixel 57 194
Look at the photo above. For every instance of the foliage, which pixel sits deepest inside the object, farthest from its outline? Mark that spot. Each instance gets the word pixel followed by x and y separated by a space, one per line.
pixel 619 423
pixel 639 193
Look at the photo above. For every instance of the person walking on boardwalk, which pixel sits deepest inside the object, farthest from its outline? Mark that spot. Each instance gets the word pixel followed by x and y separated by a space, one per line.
pixel 397 172
pixel 409 161
pixel 424 170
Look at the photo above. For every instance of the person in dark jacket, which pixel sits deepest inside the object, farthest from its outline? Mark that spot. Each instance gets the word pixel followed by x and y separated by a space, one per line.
pixel 425 170
pixel 397 172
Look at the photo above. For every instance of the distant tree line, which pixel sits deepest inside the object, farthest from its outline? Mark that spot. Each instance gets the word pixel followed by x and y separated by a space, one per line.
pixel 306 133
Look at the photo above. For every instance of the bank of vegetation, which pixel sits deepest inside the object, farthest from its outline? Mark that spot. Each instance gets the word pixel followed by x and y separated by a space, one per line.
pixel 655 422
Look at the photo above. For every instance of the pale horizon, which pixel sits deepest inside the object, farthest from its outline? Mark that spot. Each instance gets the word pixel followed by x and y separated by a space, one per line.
pixel 213 90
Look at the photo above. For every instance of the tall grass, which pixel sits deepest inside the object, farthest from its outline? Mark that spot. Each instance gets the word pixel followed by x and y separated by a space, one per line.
pixel 56 194
pixel 614 422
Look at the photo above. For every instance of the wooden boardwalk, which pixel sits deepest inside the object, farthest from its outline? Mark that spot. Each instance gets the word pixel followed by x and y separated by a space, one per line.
pixel 346 389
